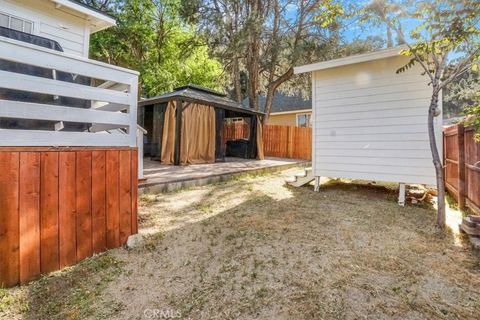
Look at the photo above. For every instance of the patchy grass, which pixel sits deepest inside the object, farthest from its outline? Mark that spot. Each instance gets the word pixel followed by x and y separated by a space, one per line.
pixel 66 294
pixel 254 248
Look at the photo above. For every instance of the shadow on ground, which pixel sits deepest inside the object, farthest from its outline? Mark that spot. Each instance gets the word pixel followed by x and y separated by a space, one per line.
pixel 254 248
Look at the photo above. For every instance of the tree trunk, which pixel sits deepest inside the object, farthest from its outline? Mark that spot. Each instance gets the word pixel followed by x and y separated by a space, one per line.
pixel 272 88
pixel 389 38
pixel 253 62
pixel 236 80
pixel 437 162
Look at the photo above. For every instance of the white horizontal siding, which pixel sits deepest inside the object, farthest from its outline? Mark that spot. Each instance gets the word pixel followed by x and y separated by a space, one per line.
pixel 372 153
pixel 377 129
pixel 70 41
pixel 69 29
pixel 373 106
pixel 371 123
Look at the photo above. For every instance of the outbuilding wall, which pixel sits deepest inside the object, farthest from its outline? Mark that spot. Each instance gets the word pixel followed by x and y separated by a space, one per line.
pixel 371 123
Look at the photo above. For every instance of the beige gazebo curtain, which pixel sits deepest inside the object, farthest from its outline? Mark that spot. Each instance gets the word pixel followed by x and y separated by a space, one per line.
pixel 260 154
pixel 168 137
pixel 197 143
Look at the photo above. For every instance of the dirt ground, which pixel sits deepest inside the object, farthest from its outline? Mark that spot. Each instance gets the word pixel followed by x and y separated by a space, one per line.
pixel 254 248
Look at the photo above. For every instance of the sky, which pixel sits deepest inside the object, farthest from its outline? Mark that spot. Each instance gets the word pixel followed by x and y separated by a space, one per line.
pixel 355 29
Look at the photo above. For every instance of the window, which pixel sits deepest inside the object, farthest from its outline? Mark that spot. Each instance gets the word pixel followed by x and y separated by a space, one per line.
pixel 304 120
pixel 234 120
pixel 15 23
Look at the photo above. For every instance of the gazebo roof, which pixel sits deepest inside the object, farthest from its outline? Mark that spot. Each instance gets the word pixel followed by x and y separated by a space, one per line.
pixel 201 95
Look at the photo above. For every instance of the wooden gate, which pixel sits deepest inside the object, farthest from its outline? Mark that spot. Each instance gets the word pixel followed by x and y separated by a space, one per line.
pixel 462 166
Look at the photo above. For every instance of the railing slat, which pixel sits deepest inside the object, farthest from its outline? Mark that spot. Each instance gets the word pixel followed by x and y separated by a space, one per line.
pixel 22 52
pixel 28 110
pixel 39 138
pixel 17 81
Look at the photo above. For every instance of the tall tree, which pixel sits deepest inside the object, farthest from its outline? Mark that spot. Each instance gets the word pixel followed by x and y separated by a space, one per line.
pixel 268 38
pixel 223 24
pixel 151 37
pixel 448 34
pixel 376 12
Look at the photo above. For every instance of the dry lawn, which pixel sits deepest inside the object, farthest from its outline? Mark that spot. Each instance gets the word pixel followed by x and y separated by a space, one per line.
pixel 255 249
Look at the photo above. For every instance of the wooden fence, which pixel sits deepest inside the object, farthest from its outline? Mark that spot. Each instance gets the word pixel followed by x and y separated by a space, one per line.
pixel 279 141
pixel 60 206
pixel 287 142
pixel 462 166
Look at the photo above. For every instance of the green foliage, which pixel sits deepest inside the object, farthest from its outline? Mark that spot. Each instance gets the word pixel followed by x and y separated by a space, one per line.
pixel 448 48
pixel 461 94
pixel 150 37
pixel 329 13
pixel 473 119
pixel 448 34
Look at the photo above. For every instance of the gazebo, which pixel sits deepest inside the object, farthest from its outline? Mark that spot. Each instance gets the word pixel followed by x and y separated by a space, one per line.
pixel 186 127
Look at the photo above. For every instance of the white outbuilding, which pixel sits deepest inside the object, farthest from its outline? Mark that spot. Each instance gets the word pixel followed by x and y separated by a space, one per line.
pixel 369 122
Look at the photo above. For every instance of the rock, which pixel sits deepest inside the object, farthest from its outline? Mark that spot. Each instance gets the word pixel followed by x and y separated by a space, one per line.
pixel 134 241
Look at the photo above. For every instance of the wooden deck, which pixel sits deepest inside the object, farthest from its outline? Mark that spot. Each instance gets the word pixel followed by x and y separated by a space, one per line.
pixel 164 178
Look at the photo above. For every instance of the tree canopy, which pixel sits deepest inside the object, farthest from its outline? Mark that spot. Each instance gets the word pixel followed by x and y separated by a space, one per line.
pixel 151 37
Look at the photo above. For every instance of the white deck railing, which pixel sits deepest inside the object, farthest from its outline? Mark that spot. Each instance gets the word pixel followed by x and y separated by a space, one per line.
pixel 111 119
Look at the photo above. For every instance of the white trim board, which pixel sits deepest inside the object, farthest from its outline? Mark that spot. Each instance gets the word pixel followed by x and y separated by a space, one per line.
pixel 291 112
pixel 387 53
pixel 100 21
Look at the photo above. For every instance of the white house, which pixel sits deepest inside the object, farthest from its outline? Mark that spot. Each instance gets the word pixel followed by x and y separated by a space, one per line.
pixel 369 122
pixel 68 22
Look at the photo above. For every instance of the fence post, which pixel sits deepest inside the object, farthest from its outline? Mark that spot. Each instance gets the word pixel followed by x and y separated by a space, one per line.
pixel 462 186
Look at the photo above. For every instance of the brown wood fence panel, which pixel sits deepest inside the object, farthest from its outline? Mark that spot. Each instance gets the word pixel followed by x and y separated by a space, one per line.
pixel 462 166
pixel 472 170
pixel 450 154
pixel 57 205
pixel 287 142
pixel 235 130
pixel 279 141
pixel 67 209
pixel 29 206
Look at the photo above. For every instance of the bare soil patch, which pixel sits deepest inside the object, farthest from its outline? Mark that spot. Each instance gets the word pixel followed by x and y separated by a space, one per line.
pixel 254 248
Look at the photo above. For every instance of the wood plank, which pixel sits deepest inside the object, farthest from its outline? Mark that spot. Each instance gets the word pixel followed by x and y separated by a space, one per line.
pixel 84 204
pixel 67 209
pixel 39 138
pixel 134 192
pixel 40 111
pixel 113 208
pixel 9 218
pixel 23 82
pixel 58 149
pixel 21 51
pixel 29 208
pixel 99 218
pixel 462 186
pixel 125 195
pixel 49 253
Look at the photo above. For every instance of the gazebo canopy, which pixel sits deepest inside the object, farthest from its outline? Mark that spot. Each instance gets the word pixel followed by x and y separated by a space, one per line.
pixel 201 95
